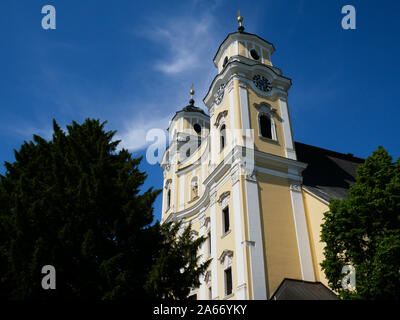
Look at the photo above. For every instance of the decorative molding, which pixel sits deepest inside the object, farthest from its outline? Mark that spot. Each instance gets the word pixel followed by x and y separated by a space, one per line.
pixel 251 175
pixel 219 95
pixel 235 176
pixel 168 183
pixel 247 243
pixel 224 197
pixel 264 107
pixel 295 186
pixel 226 258
pixel 221 115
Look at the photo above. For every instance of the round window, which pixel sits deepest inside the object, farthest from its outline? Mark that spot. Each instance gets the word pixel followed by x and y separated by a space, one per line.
pixel 254 54
pixel 197 128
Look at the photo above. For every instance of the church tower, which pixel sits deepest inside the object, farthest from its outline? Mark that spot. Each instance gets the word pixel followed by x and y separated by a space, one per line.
pixel 234 175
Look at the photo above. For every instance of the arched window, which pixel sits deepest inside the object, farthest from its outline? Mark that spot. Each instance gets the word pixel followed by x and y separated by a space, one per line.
pixel 222 137
pixel 188 153
pixel 266 126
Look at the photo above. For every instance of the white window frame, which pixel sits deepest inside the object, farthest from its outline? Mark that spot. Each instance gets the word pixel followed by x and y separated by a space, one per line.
pixel 226 261
pixel 265 112
pixel 168 189
pixel 220 137
pixel 224 202
pixel 223 232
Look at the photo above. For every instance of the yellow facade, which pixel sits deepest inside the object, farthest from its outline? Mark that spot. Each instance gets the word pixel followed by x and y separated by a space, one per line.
pixel 315 208
pixel 241 182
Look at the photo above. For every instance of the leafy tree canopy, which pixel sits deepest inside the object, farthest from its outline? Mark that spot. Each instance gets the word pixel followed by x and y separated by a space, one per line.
pixel 364 231
pixel 75 202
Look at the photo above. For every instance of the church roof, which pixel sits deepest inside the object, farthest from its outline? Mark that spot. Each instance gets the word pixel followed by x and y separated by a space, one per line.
pixel 329 174
pixel 190 108
pixel 291 289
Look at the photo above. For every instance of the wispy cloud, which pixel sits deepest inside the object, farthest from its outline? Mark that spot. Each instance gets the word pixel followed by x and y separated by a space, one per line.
pixel 185 41
pixel 187 46
pixel 133 134
pixel 26 131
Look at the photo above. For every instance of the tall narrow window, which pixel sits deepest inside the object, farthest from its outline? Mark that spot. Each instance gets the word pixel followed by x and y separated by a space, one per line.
pixel 228 281
pixel 168 199
pixel 209 243
pixel 225 62
pixel 223 137
pixel 225 218
pixel 265 126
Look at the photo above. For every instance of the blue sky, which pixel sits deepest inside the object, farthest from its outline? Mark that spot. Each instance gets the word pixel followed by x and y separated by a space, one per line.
pixel 132 64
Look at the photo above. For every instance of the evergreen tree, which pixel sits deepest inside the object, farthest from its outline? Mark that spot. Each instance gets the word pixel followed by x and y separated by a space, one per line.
pixel 178 265
pixel 75 203
pixel 364 231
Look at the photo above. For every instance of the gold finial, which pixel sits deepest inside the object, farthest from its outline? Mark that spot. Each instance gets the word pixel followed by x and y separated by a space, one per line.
pixel 239 19
pixel 191 101
pixel 191 91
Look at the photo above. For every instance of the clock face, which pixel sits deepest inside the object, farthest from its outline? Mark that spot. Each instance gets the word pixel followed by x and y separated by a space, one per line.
pixel 220 94
pixel 262 83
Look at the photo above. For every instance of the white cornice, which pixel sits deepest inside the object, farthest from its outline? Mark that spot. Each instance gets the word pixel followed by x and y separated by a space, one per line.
pixel 280 161
pixel 235 69
pixel 230 163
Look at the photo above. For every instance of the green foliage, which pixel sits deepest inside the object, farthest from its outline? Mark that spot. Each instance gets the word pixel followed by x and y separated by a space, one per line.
pixel 178 266
pixel 75 203
pixel 364 230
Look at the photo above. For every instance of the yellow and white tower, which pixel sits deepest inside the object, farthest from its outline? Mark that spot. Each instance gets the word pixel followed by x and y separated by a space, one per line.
pixel 233 174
